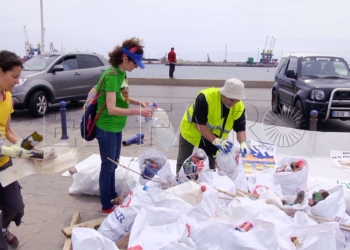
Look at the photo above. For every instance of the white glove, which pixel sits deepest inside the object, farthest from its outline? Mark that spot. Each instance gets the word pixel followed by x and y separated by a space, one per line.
pixel 222 144
pixel 245 150
pixel 16 151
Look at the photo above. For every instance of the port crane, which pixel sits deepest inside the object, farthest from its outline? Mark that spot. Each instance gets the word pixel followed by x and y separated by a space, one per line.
pixel 30 51
pixel 267 55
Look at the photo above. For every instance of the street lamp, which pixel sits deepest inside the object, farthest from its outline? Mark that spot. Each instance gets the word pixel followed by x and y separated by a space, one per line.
pixel 42 27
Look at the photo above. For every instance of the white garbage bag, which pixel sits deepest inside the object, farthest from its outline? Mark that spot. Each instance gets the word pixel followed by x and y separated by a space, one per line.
pixel 158 165
pixel 157 227
pixel 89 239
pixel 120 221
pixel 192 167
pixel 291 182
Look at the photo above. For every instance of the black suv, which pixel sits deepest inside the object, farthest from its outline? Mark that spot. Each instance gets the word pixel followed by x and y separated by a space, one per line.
pixel 305 82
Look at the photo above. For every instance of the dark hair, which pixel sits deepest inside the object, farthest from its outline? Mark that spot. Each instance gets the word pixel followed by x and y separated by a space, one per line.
pixel 115 56
pixel 8 60
pixel 172 48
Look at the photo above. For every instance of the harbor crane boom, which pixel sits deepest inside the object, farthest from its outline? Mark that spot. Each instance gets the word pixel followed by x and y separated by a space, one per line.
pixel 265 45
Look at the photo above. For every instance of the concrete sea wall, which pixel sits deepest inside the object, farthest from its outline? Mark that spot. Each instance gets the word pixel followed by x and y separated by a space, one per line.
pixel 195 82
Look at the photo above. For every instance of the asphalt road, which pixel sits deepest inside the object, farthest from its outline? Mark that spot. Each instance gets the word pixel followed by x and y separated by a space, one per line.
pixel 174 100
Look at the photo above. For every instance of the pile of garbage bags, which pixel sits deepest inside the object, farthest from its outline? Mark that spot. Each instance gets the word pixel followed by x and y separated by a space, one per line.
pixel 280 208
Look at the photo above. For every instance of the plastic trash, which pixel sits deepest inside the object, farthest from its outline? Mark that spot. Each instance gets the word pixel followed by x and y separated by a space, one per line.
pixel 151 106
pixel 188 191
pixel 155 193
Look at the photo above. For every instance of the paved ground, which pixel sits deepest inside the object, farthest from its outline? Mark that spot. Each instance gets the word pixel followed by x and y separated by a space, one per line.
pixel 49 207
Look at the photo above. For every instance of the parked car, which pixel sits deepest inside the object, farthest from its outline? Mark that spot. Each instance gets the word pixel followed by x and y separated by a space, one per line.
pixel 306 82
pixel 57 76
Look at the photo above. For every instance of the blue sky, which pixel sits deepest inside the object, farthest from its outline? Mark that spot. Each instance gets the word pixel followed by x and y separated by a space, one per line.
pixel 194 27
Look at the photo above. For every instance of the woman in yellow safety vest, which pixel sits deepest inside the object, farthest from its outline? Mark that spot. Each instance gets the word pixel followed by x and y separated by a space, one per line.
pixel 11 201
pixel 208 121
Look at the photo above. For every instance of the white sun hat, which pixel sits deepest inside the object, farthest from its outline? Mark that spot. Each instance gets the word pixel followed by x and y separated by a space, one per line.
pixel 233 89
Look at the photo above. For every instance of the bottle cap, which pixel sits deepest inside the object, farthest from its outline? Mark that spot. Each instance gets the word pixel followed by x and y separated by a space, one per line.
pixel 203 188
pixel 145 187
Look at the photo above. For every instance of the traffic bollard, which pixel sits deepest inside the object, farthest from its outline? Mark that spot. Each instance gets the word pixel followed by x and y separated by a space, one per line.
pixel 63 121
pixel 313 120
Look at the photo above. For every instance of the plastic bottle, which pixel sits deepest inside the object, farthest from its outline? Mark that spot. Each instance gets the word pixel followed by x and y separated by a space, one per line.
pixel 188 191
pixel 162 132
pixel 155 193
pixel 151 106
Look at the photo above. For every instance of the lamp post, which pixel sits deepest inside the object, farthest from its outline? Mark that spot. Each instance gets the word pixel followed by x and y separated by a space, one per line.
pixel 42 27
pixel 225 53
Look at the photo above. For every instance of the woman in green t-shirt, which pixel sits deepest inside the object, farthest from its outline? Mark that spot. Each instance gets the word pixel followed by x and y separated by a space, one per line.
pixel 114 115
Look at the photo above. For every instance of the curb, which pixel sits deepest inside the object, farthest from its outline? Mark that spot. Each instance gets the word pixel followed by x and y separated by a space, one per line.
pixel 195 82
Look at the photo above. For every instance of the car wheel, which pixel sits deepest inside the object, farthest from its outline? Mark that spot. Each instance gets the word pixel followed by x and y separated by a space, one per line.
pixel 38 104
pixel 275 103
pixel 300 118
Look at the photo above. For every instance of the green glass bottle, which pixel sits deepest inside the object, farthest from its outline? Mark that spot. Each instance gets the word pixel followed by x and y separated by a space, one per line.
pixel 30 142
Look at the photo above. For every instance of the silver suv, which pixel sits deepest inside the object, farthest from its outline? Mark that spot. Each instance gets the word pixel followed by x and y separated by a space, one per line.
pixel 57 76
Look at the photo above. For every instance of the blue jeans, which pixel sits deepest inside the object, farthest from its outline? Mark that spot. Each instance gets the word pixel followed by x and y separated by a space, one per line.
pixel 110 146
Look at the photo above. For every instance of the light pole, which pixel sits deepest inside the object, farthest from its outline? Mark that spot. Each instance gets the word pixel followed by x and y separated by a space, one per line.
pixel 42 27
pixel 225 53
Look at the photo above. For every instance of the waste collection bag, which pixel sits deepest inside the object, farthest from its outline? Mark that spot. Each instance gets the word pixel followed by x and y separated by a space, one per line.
pixel 291 182
pixel 156 227
pixel 120 221
pixel 224 183
pixel 221 234
pixel 192 167
pixel 90 239
pixel 154 162
pixel 333 207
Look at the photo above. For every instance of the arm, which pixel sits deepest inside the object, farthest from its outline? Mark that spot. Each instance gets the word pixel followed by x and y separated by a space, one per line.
pixel 138 103
pixel 10 134
pixel 111 99
pixel 241 136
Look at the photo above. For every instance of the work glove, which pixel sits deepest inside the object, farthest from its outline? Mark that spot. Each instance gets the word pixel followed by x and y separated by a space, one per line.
pixel 16 151
pixel 222 144
pixel 245 151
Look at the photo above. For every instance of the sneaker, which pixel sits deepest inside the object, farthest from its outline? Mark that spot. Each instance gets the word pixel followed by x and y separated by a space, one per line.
pixel 106 212
pixel 10 238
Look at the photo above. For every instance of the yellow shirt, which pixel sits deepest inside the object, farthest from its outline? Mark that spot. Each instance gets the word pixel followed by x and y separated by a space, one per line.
pixel 6 108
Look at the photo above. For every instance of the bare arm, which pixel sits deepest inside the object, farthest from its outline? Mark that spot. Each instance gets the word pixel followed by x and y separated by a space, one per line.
pixel 137 102
pixel 111 99
pixel 10 134
pixel 241 136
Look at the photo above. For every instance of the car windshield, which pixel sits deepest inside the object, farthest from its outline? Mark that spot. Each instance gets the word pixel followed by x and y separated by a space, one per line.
pixel 324 67
pixel 39 62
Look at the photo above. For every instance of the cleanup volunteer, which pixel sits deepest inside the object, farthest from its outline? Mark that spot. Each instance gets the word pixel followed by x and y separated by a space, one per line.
pixel 208 121
pixel 11 201
pixel 113 118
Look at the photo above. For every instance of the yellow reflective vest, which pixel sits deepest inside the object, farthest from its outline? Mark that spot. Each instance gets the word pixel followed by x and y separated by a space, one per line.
pixel 215 122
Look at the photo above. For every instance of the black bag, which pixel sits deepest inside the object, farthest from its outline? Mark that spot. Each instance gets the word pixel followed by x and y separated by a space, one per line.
pixel 89 119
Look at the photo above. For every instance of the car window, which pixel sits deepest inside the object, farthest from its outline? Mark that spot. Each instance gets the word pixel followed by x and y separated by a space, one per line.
pixel 70 63
pixel 88 61
pixel 39 62
pixel 281 66
pixel 293 64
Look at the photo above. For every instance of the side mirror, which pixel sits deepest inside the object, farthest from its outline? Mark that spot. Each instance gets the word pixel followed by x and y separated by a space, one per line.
pixel 291 74
pixel 57 68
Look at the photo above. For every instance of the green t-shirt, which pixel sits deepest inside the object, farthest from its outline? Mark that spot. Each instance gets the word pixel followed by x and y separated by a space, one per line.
pixel 114 83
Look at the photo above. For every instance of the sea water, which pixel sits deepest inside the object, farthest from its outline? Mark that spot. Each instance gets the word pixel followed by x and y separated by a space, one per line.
pixel 206 72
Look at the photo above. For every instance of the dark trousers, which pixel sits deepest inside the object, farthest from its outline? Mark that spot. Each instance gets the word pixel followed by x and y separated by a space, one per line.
pixel 171 70
pixel 110 147
pixel 185 151
pixel 3 244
